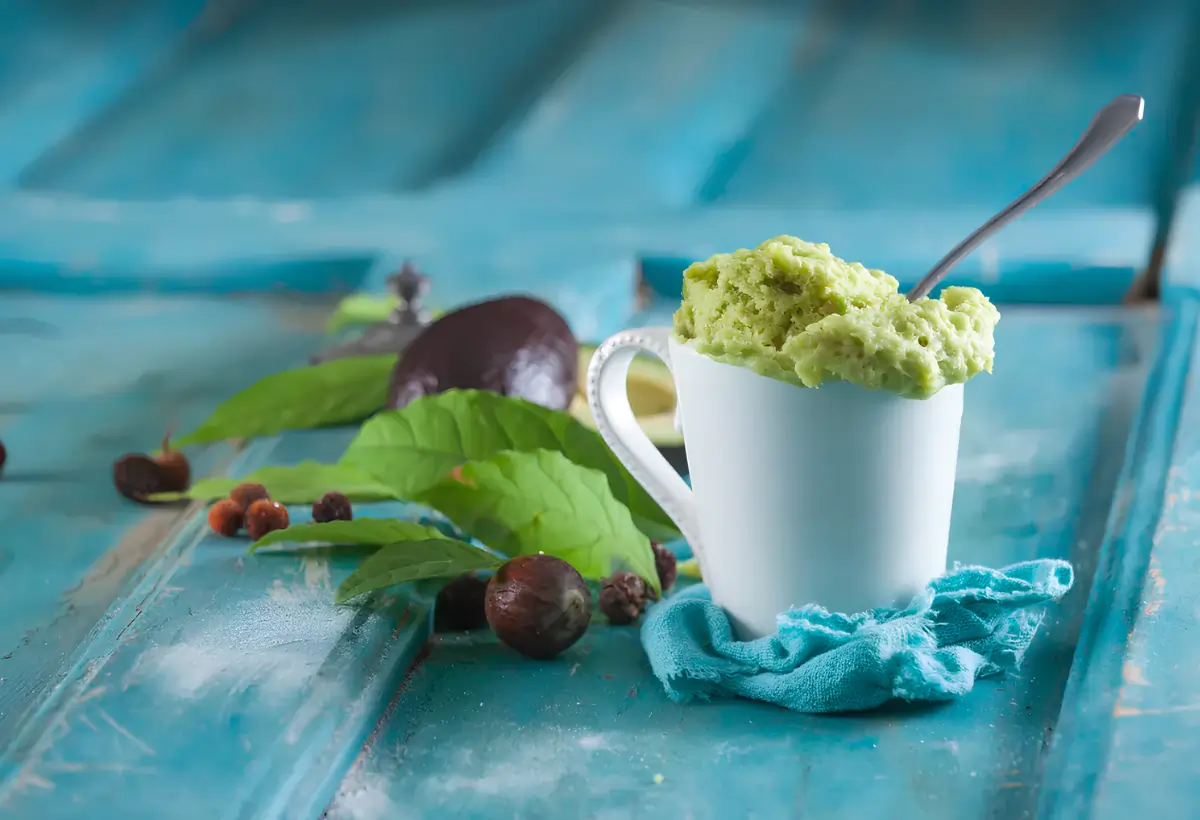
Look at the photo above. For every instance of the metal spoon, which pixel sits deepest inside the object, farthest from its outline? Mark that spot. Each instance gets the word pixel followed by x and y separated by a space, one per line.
pixel 1112 122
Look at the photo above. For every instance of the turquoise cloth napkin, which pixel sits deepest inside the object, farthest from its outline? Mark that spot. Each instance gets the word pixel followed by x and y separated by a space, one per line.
pixel 967 624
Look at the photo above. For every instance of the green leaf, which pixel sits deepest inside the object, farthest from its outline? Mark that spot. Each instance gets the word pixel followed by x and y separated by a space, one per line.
pixel 526 503
pixel 326 552
pixel 377 532
pixel 365 309
pixel 342 391
pixel 407 561
pixel 362 309
pixel 302 483
pixel 413 448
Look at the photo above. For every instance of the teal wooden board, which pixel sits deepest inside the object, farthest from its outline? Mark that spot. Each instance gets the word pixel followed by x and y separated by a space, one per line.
pixel 58 67
pixel 184 189
pixel 478 732
pixel 218 666
pixel 259 653
pixel 1152 725
pixel 1183 256
pixel 611 147
pixel 263 246
pixel 1127 727
pixel 867 119
pixel 241 89
pixel 87 380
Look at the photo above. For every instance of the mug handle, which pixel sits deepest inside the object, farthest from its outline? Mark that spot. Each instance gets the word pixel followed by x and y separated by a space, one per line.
pixel 608 399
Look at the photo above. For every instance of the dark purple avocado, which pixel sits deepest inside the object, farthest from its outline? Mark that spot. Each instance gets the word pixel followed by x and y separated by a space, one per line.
pixel 514 346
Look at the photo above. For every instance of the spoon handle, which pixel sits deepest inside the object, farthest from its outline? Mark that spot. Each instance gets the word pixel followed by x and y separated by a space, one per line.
pixel 1112 122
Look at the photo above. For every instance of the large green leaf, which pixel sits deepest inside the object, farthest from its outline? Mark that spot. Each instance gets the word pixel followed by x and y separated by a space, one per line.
pixel 377 532
pixel 302 483
pixel 342 391
pixel 407 561
pixel 412 449
pixel 366 309
pixel 522 503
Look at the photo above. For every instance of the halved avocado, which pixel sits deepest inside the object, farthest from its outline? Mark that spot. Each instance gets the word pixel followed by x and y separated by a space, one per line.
pixel 514 345
pixel 651 395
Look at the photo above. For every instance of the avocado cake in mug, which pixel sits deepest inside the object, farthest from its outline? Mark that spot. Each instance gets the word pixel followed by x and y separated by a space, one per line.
pixel 793 311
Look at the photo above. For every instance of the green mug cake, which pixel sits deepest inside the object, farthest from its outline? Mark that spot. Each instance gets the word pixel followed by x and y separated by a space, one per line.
pixel 791 310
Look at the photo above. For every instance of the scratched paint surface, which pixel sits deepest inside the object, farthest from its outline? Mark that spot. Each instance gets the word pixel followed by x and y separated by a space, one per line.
pixel 1183 257
pixel 1156 717
pixel 198 150
pixel 134 616
pixel 1129 717
pixel 217 664
pixel 85 381
pixel 619 128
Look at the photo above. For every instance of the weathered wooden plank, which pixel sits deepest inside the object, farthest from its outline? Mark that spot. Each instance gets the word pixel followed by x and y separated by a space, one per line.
pixel 169 662
pixel 218 667
pixel 564 183
pixel 660 91
pixel 1126 739
pixel 86 380
pixel 430 84
pixel 1108 761
pixel 500 251
pixel 913 105
pixel 155 620
pixel 61 64
pixel 1182 268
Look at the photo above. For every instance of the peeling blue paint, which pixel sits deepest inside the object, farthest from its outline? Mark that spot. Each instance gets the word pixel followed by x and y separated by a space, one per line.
pixel 185 187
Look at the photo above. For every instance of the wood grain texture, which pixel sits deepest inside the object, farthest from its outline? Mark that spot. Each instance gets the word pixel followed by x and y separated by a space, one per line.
pixel 185 186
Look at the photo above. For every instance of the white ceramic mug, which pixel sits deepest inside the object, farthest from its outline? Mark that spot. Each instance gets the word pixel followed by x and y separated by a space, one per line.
pixel 838 496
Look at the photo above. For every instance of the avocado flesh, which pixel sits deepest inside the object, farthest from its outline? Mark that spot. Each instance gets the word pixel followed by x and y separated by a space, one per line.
pixel 651 395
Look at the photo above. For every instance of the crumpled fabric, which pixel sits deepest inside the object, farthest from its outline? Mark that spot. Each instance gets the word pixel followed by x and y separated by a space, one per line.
pixel 965 625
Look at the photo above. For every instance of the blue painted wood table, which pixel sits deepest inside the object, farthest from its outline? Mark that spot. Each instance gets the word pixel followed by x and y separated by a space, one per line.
pixel 191 186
